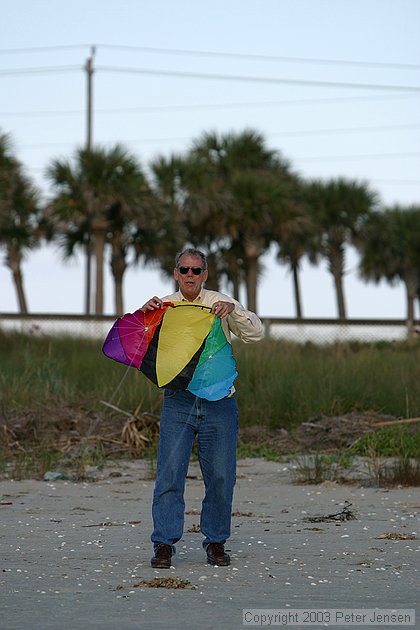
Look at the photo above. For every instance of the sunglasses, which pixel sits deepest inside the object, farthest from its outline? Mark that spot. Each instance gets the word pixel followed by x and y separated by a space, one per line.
pixel 196 270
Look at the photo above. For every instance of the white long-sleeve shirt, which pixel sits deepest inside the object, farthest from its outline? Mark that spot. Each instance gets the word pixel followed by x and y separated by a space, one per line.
pixel 241 322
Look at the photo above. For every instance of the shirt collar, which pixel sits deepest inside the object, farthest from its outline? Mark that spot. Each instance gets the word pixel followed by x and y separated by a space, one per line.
pixel 184 299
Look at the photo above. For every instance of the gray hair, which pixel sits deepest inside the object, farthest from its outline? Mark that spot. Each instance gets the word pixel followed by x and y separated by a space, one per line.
pixel 196 253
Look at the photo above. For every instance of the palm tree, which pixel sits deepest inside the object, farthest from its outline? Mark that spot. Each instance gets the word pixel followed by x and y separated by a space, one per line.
pixel 389 244
pixel 295 239
pixel 171 232
pixel 294 236
pixel 236 189
pixel 338 209
pixel 19 208
pixel 99 196
pixel 65 218
pixel 263 198
pixel 186 187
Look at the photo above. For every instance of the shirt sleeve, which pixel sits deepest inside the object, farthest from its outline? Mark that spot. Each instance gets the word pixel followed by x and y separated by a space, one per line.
pixel 245 324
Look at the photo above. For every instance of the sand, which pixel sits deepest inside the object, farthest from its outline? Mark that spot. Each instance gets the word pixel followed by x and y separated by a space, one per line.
pixel 77 555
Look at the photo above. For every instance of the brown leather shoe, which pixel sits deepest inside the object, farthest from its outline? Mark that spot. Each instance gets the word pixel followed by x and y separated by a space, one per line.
pixel 216 555
pixel 162 557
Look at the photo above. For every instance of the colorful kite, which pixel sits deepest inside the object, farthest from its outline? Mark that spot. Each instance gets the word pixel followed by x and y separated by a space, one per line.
pixel 180 346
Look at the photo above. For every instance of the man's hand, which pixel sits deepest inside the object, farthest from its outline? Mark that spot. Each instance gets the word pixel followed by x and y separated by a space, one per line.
pixel 152 305
pixel 222 309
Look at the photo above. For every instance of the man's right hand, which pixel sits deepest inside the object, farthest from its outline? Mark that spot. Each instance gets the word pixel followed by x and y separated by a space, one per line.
pixel 152 305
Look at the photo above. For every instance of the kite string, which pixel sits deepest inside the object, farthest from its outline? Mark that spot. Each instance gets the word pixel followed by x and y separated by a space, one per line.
pixel 98 419
pixel 140 341
pixel 154 319
pixel 154 316
pixel 95 423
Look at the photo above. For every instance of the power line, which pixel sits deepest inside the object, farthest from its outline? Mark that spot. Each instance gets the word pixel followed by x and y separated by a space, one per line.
pixel 262 57
pixel 252 79
pixel 221 54
pixel 48 113
pixel 213 77
pixel 185 138
pixel 33 49
pixel 302 132
pixel 338 130
pixel 375 156
pixel 241 105
pixel 305 132
pixel 403 182
pixel 41 69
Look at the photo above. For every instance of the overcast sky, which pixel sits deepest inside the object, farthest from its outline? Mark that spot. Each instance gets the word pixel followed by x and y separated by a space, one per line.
pixel 334 85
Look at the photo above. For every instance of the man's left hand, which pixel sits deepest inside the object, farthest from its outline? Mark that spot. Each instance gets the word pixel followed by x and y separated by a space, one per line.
pixel 222 309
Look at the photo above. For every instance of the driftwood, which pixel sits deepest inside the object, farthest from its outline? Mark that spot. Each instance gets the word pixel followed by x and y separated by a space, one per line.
pixel 343 515
pixel 145 417
pixel 406 421
pixel 133 433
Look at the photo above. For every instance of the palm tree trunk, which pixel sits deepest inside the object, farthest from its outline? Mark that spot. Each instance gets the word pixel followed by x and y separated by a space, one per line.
pixel 418 296
pixel 336 264
pixel 118 287
pixel 236 286
pixel 212 281
pixel 88 273
pixel 13 261
pixel 252 250
pixel 118 267
pixel 296 289
pixel 410 281
pixel 99 257
pixel 88 197
pixel 341 307
pixel 251 283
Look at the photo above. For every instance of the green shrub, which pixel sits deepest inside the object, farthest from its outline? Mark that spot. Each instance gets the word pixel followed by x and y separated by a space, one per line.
pixel 393 441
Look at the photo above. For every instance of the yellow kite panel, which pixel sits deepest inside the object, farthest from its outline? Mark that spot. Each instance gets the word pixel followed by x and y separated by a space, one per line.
pixel 182 334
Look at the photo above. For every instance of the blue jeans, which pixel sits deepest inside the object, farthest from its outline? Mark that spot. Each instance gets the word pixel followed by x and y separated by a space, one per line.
pixel 215 423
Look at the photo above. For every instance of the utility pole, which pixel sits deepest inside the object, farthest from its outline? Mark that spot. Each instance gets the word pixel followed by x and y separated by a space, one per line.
pixel 89 117
pixel 89 73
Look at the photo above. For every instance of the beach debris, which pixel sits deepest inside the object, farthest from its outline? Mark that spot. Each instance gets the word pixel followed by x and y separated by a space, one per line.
pixel 237 513
pixel 104 524
pixel 53 475
pixel 397 536
pixel 164 582
pixel 345 514
pixel 314 529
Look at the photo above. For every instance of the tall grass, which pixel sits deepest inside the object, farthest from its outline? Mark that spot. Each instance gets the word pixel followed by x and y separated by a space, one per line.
pixel 39 370
pixel 280 384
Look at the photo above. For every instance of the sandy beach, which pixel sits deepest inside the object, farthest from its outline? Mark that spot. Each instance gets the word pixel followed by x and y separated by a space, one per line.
pixel 77 554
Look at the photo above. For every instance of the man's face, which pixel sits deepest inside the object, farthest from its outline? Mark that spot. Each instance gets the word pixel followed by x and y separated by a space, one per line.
pixel 190 283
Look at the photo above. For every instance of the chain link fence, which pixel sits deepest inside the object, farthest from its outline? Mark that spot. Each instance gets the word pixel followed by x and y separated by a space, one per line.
pixel 325 331
pixel 318 331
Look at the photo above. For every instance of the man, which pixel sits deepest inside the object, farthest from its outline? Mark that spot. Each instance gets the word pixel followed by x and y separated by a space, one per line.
pixel 215 423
